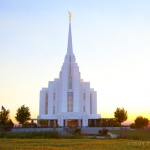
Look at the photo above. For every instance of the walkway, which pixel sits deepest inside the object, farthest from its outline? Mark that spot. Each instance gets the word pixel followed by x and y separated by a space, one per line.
pixel 112 135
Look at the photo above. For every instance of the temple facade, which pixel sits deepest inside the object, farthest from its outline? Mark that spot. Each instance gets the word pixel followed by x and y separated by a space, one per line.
pixel 68 100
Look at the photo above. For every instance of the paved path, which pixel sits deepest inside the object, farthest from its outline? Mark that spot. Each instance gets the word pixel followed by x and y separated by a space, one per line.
pixel 112 135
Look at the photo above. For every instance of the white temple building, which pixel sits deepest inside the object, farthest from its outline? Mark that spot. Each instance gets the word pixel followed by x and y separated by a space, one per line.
pixel 68 100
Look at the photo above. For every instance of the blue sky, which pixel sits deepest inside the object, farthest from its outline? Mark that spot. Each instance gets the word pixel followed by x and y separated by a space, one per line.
pixel 110 42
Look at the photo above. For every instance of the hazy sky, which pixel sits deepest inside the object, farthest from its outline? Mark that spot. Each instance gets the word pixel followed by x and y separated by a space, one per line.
pixel 110 42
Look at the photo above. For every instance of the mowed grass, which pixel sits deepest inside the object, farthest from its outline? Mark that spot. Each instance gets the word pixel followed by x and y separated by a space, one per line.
pixel 73 144
pixel 140 134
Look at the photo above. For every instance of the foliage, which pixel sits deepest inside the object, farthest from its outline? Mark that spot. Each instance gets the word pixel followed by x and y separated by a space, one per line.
pixel 103 132
pixel 132 125
pixel 4 116
pixel 43 122
pixel 9 122
pixel 44 134
pixel 29 125
pixel 120 115
pixel 23 114
pixel 6 124
pixel 77 131
pixel 141 122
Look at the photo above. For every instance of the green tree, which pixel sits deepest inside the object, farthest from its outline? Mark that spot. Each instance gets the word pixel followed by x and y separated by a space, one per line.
pixel 9 122
pixel 132 125
pixel 141 122
pixel 23 114
pixel 145 122
pixel 4 116
pixel 120 115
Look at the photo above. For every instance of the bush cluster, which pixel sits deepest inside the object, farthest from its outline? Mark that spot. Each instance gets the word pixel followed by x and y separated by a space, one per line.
pixel 103 132
pixel 77 131
pixel 44 134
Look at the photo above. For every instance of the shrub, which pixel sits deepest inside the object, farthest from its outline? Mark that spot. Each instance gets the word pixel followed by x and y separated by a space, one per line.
pixel 103 132
pixel 132 125
pixel 29 125
pixel 77 131
pixel 44 134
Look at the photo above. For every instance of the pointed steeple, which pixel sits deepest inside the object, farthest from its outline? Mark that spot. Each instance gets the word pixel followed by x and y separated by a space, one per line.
pixel 69 48
pixel 69 58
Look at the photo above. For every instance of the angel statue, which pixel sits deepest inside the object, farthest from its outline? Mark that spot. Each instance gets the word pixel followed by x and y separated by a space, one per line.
pixel 69 15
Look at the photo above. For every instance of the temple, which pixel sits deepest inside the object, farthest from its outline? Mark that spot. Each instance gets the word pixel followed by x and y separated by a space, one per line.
pixel 68 100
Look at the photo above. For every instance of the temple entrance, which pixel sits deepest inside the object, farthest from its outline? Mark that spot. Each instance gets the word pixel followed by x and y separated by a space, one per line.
pixel 72 122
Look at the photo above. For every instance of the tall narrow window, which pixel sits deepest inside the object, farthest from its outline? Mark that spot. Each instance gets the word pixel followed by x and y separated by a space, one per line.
pixel 54 95
pixel 53 109
pixel 69 75
pixel 84 96
pixel 70 83
pixel 84 109
pixel 90 103
pixel 70 102
pixel 46 103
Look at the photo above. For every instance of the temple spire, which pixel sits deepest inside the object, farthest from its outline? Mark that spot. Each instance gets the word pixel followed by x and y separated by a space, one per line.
pixel 69 49
pixel 70 57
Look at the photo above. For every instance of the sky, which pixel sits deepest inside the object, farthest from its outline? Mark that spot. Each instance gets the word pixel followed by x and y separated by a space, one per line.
pixel 110 42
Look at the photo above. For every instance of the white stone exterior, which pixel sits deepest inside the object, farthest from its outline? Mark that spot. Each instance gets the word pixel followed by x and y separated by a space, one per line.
pixel 68 97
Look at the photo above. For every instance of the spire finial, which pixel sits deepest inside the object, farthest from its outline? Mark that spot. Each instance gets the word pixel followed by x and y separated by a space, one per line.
pixel 69 49
pixel 70 15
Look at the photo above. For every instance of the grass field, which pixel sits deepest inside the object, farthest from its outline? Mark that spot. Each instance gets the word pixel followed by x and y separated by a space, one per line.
pixel 140 134
pixel 73 144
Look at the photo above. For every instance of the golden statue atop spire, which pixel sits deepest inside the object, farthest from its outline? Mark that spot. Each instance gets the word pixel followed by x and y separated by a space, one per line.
pixel 69 15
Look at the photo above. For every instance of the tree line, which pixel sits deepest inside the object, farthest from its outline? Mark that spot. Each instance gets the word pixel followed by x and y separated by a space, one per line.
pixel 23 115
pixel 121 116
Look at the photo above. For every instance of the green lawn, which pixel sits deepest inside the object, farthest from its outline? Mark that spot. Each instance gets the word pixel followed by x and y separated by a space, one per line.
pixel 73 144
pixel 135 134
